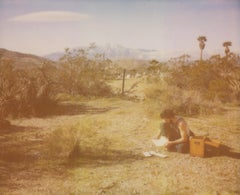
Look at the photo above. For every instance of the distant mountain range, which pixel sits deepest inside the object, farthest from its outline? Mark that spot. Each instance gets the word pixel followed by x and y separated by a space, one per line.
pixel 117 52
pixel 110 51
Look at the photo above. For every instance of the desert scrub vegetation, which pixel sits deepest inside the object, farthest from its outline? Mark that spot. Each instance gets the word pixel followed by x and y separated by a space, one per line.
pixel 160 95
pixel 34 91
pixel 26 92
pixel 196 88
pixel 213 78
pixel 80 139
pixel 82 75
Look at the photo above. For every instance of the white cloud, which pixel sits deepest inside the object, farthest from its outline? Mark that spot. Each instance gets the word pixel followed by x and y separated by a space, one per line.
pixel 50 16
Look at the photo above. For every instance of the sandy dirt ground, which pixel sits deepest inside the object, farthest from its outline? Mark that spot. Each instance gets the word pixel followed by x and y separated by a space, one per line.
pixel 118 167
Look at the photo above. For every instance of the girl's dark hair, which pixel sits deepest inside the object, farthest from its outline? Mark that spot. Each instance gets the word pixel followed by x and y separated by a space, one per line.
pixel 167 113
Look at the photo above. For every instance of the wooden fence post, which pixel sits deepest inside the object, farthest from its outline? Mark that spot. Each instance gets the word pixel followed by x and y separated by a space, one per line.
pixel 123 81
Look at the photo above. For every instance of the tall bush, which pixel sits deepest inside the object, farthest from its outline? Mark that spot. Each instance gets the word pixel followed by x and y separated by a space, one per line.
pixel 199 87
pixel 213 78
pixel 81 75
pixel 25 92
pixel 160 95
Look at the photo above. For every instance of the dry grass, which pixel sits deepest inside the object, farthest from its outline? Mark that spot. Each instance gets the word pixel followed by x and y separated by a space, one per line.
pixel 112 135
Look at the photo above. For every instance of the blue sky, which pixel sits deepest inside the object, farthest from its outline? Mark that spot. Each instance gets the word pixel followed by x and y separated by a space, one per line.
pixel 170 26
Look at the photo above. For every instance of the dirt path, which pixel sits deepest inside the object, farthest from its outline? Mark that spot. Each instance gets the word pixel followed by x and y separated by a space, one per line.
pixel 122 169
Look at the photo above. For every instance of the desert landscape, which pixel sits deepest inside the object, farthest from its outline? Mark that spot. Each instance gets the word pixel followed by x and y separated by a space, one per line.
pixel 85 87
pixel 95 144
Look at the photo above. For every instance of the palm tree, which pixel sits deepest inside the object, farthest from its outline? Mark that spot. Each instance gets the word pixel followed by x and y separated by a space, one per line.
pixel 226 45
pixel 202 40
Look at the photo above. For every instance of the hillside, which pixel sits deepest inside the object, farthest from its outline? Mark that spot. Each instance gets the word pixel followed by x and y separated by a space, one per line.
pixel 22 60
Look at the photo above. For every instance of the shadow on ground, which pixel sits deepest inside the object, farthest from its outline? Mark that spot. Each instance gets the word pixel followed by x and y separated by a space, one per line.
pixel 11 129
pixel 17 148
pixel 89 158
pixel 76 109
pixel 223 150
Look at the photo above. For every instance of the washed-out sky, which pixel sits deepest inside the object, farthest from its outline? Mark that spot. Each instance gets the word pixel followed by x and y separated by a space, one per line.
pixel 44 26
